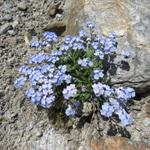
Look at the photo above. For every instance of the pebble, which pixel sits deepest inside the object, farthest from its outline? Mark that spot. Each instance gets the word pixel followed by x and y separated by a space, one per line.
pixel 146 122
pixel 15 23
pixel 11 32
pixel 1 2
pixel 87 107
pixel 7 17
pixel 39 134
pixel 4 28
pixel 1 93
pixel 59 17
pixel 136 108
pixel 22 6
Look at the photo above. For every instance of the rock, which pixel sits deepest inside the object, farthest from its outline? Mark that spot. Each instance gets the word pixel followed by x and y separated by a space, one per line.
pixel 7 17
pixel 1 2
pixel 52 140
pixel 148 110
pixel 136 108
pixel 1 93
pixel 117 143
pixel 11 32
pixel 11 41
pixel 131 25
pixel 87 107
pixel 58 27
pixel 22 6
pixel 53 7
pixel 59 17
pixel 4 28
pixel 11 117
pixel 15 23
pixel 146 122
pixel 27 38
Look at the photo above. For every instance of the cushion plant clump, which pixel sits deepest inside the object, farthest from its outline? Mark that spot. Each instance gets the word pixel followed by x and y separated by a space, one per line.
pixel 74 72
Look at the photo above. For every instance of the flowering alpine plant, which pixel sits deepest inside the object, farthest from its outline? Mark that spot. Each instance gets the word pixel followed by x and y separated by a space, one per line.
pixel 73 72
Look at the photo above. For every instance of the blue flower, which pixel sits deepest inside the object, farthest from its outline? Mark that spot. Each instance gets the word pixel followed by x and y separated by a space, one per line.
pixel 38 97
pixel 45 43
pixel 95 45
pixel 85 62
pixel 124 117
pixel 107 110
pixel 101 39
pixel 116 104
pixel 70 91
pixel 56 53
pixel 108 91
pixel 112 35
pixel 35 76
pixel 46 68
pixel 98 89
pixel 30 92
pixel 70 112
pixel 50 36
pixel 97 73
pixel 53 59
pixel 110 46
pixel 130 92
pixel 20 82
pixel 23 69
pixel 64 48
pixel 90 25
pixel 68 78
pixel 124 93
pixel 36 44
pixel 82 33
pixel 38 58
pixel 126 54
pixel 78 46
pixel 99 53
pixel 68 39
pixel 76 39
pixel 49 100
pixel 63 68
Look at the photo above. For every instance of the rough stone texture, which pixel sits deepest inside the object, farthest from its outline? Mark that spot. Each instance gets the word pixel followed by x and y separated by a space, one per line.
pixel 24 126
pixel 130 20
pixel 117 143
pixel 22 6
pixel 5 28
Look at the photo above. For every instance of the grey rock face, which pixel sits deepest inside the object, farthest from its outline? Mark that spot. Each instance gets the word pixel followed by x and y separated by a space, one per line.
pixel 22 6
pixel 4 28
pixel 22 126
pixel 130 20
pixel 51 140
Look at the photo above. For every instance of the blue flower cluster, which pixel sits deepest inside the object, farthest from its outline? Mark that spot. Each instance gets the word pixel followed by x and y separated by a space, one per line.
pixel 70 91
pixel 85 62
pixel 70 111
pixel 97 74
pixel 38 58
pixel 72 71
pixel 43 80
pixel 49 38
pixel 125 93
pixel 116 100
pixel 98 89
